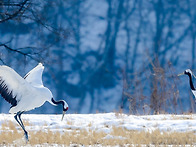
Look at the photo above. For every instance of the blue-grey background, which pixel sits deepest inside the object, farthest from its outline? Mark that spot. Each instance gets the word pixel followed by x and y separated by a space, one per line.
pixel 105 55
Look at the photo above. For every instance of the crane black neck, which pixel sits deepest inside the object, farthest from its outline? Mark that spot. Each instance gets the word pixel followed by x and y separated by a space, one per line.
pixel 58 102
pixel 191 82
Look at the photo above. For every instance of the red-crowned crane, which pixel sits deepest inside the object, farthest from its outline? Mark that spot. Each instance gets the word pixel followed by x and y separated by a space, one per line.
pixel 25 94
pixel 189 73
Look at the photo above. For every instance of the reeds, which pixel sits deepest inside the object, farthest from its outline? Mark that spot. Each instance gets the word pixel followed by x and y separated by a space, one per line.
pixel 118 136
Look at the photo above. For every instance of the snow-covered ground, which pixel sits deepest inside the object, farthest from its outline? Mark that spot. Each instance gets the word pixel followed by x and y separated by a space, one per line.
pixel 105 121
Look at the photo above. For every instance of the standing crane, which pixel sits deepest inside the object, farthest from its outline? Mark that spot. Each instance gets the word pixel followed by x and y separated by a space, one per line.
pixel 25 94
pixel 189 73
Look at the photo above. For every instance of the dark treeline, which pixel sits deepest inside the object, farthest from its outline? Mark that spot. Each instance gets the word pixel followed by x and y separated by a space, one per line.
pixel 106 55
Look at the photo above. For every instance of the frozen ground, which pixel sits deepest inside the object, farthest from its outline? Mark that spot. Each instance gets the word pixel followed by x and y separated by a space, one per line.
pixel 105 121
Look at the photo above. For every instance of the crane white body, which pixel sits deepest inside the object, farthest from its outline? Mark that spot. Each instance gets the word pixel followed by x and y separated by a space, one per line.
pixel 38 99
pixel 194 93
pixel 29 92
pixel 26 93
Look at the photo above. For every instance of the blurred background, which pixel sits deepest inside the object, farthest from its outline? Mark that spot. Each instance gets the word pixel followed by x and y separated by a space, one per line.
pixel 105 55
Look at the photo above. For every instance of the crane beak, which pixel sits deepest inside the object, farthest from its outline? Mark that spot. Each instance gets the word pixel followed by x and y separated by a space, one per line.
pixel 63 115
pixel 180 74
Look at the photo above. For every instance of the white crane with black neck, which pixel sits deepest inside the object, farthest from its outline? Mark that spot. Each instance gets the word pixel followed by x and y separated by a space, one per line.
pixel 25 94
pixel 190 74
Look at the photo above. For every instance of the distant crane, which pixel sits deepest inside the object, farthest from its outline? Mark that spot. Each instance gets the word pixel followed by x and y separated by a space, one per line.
pixel 26 93
pixel 190 74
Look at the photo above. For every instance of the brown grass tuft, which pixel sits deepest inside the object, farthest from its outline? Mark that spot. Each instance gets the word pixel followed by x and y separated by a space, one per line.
pixel 118 136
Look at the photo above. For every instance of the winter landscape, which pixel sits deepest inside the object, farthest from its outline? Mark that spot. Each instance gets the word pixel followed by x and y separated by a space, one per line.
pixel 102 129
pixel 114 67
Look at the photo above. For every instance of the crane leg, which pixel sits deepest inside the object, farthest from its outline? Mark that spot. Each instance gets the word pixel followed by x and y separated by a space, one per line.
pixel 17 116
pixel 26 133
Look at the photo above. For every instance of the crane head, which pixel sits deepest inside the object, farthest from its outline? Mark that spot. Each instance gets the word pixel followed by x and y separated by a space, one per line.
pixel 64 111
pixel 65 108
pixel 61 102
pixel 187 72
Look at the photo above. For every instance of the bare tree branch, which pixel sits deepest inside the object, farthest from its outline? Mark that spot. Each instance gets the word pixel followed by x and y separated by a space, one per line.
pixel 18 51
pixel 15 14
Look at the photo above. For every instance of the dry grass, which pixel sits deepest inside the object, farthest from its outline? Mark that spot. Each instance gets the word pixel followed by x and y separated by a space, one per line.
pixel 118 136
pixel 185 117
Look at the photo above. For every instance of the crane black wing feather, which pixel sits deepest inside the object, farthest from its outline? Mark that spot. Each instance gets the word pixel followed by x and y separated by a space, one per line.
pixel 12 85
pixel 6 94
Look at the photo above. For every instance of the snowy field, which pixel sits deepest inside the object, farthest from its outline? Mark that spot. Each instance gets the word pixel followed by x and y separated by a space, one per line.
pixel 104 122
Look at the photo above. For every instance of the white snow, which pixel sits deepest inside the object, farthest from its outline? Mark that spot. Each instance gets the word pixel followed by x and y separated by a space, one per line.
pixel 105 122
